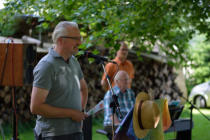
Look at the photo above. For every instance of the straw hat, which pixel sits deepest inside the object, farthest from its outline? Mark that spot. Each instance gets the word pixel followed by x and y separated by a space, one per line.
pixel 146 115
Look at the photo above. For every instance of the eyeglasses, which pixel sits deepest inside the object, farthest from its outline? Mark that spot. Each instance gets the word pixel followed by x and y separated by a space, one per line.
pixel 124 50
pixel 80 38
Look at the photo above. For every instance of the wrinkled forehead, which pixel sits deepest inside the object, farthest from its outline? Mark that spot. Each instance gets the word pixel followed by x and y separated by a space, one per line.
pixel 124 47
pixel 122 74
pixel 125 78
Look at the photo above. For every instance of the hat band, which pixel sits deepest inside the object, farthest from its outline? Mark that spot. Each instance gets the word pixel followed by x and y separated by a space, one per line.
pixel 139 115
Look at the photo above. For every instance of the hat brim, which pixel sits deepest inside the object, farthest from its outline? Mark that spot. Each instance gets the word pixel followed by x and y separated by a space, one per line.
pixel 140 133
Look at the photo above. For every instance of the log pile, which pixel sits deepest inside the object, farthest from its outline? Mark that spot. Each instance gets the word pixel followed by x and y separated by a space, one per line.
pixel 151 76
pixel 22 99
pixel 154 77
pixel 93 73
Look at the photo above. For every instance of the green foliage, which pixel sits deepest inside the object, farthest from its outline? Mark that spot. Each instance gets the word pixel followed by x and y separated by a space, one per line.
pixel 25 130
pixel 200 62
pixel 146 23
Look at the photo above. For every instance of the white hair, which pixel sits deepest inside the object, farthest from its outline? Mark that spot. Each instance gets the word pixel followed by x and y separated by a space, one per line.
pixel 61 29
pixel 120 74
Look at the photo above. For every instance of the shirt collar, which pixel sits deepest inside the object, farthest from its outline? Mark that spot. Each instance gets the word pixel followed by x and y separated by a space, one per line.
pixel 55 54
pixel 119 61
pixel 117 90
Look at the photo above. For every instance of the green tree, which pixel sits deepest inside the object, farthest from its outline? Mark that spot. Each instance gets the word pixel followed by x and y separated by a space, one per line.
pixel 146 23
pixel 200 61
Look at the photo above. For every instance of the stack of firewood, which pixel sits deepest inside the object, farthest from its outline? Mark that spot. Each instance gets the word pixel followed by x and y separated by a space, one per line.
pixel 151 76
pixel 93 73
pixel 156 78
pixel 5 103
pixel 22 101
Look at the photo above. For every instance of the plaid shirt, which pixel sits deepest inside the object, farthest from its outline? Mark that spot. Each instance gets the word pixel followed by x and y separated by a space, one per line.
pixel 126 101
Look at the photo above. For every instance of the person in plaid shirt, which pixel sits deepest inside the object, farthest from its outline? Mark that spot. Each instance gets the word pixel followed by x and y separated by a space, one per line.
pixel 125 97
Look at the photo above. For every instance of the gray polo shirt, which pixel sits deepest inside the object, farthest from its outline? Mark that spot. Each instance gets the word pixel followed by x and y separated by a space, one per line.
pixel 62 79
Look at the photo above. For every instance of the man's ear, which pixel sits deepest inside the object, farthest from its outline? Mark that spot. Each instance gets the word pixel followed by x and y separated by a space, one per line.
pixel 59 40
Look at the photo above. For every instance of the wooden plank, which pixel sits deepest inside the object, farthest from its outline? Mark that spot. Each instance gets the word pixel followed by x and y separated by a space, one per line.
pixel 11 64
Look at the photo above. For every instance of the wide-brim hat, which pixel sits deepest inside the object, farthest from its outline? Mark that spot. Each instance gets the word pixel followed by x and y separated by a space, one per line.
pixel 146 115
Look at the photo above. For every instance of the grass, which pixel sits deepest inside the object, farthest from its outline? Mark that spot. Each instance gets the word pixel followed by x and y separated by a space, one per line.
pixel 25 130
pixel 201 125
pixel 200 130
pixel 98 124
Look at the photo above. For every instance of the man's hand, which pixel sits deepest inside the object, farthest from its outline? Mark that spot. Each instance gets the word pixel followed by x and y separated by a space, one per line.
pixel 78 116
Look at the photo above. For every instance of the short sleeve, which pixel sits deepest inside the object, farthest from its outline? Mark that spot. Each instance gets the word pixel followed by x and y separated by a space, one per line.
pixel 107 109
pixel 43 74
pixel 110 69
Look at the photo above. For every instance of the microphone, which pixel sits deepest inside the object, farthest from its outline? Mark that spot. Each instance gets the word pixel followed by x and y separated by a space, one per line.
pixel 97 57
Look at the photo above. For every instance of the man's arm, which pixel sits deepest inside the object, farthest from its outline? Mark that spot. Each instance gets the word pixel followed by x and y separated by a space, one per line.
pixel 132 73
pixel 39 107
pixel 110 69
pixel 84 92
pixel 104 84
